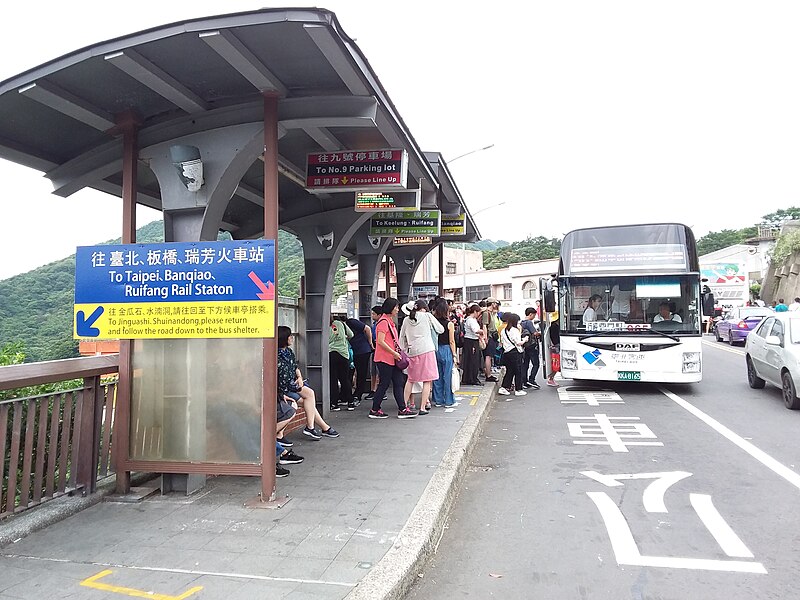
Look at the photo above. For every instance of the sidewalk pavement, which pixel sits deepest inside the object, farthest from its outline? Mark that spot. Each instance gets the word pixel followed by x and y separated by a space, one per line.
pixel 366 510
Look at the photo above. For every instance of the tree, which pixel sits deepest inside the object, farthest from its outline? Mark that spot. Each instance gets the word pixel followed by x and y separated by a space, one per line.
pixel 776 219
pixel 716 240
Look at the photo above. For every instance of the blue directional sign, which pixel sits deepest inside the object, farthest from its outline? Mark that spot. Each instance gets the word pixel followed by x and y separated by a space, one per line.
pixel 175 290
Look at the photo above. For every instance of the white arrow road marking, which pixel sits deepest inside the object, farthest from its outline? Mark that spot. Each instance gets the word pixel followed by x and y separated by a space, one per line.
pixel 653 496
pixel 761 456
pixel 627 553
pixel 730 543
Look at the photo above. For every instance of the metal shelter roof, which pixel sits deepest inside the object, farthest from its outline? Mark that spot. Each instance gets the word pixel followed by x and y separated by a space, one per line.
pixel 202 74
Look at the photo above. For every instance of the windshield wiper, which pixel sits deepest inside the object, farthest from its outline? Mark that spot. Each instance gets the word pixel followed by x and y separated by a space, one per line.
pixel 672 337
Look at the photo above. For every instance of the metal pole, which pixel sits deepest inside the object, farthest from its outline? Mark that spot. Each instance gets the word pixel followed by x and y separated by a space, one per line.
pixel 464 272
pixel 441 270
pixel 128 124
pixel 270 346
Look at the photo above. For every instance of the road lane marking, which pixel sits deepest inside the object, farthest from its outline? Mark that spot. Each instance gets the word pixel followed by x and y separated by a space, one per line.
pixel 724 348
pixel 627 552
pixel 727 539
pixel 653 496
pixel 92 582
pixel 613 430
pixel 761 456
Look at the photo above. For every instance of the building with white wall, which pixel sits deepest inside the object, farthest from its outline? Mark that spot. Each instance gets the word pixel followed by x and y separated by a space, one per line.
pixel 516 286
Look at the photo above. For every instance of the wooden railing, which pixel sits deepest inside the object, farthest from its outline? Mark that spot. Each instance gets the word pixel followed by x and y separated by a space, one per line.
pixel 55 443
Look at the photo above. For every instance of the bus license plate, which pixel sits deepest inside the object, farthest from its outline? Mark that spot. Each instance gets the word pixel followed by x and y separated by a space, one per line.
pixel 629 376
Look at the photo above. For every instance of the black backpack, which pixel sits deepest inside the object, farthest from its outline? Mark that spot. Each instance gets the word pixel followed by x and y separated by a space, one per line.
pixel 460 333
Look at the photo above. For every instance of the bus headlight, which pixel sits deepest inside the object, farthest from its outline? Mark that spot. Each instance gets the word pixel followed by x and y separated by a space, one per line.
pixel 691 362
pixel 569 359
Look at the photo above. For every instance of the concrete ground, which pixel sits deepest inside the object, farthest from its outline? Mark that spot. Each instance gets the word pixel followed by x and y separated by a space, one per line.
pixel 365 510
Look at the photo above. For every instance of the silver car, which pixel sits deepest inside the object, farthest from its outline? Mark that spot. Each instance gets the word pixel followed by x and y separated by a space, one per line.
pixel 773 355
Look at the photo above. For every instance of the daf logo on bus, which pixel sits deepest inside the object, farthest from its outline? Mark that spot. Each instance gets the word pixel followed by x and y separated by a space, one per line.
pixel 629 347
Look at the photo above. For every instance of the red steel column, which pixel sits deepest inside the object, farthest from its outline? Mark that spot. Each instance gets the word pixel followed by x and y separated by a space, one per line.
pixel 128 125
pixel 270 371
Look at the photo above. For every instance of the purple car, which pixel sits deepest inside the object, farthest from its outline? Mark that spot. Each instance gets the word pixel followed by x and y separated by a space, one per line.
pixel 737 323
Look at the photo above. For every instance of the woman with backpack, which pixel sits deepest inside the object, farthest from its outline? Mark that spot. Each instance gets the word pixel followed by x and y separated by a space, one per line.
pixel 511 338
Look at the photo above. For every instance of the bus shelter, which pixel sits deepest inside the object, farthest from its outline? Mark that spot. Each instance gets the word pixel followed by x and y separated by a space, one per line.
pixel 213 121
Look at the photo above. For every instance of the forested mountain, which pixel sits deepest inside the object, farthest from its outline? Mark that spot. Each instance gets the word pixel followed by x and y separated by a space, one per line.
pixel 536 248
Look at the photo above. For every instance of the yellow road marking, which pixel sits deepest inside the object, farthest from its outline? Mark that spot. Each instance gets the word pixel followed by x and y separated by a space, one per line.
pixel 92 582
pixel 473 393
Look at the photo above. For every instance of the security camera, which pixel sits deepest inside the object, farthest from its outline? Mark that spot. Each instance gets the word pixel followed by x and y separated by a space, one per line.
pixel 325 238
pixel 186 160
pixel 409 261
pixel 374 241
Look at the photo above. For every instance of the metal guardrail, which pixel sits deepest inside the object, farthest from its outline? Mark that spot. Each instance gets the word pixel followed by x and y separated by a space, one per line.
pixel 59 442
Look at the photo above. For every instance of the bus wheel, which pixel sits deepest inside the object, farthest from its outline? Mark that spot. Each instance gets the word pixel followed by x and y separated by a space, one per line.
pixel 753 380
pixel 789 393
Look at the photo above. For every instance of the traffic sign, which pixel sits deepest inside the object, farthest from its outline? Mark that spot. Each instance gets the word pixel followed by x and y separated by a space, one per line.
pixel 175 290
pixel 357 170
pixel 454 225
pixel 405 223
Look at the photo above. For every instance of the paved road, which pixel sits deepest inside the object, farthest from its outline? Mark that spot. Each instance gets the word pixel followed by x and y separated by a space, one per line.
pixel 705 508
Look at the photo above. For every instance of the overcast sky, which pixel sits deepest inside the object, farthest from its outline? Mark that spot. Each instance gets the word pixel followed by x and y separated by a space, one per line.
pixel 599 112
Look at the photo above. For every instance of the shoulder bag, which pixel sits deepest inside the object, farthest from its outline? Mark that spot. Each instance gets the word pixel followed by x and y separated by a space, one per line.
pixel 402 362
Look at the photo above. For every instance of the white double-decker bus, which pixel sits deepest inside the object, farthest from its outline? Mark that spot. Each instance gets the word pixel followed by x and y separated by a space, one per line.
pixel 629 304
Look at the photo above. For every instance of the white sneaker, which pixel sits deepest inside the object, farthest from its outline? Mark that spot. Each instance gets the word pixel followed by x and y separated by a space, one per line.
pixel 520 393
pixel 503 391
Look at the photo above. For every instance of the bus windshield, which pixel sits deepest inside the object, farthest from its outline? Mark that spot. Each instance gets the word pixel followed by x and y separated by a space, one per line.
pixel 630 304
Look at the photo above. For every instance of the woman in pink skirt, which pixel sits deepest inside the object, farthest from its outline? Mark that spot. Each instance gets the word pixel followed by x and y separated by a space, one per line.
pixel 417 335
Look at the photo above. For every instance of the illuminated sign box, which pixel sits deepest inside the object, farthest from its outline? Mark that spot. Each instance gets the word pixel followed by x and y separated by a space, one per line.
pixel 406 223
pixel 454 225
pixel 357 170
pixel 384 201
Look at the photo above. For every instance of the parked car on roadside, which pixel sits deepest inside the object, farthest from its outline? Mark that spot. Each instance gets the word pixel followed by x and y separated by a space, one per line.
pixel 772 354
pixel 738 322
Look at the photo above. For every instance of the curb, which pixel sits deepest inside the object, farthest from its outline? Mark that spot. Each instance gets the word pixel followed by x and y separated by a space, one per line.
pixel 59 509
pixel 396 572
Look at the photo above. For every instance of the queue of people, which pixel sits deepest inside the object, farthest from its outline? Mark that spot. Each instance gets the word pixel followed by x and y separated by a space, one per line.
pixel 437 346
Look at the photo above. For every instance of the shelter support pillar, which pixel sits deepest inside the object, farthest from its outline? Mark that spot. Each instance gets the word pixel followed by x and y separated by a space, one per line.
pixel 193 202
pixel 324 238
pixel 128 125
pixel 370 258
pixel 406 260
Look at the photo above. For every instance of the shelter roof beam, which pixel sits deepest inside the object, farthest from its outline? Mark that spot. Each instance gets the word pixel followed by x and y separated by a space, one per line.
pixel 229 47
pixel 145 72
pixel 69 104
pixel 88 167
pixel 18 153
pixel 336 56
pixel 250 194
pixel 417 165
pixel 142 196
pixel 324 138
